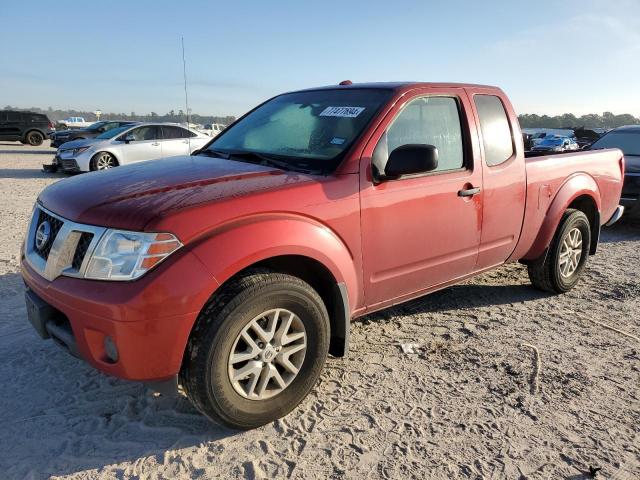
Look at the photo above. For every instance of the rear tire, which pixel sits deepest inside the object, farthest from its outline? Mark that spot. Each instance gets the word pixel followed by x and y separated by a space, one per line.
pixel 560 269
pixel 225 333
pixel 34 138
pixel 102 161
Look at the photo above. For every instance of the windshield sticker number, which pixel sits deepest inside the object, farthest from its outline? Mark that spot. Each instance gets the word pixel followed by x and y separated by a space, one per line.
pixel 337 141
pixel 348 112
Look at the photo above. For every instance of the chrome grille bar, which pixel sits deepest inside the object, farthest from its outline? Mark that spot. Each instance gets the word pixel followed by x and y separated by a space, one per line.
pixel 60 260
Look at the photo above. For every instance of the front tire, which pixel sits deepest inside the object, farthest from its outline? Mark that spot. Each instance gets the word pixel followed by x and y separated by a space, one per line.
pixel 34 138
pixel 560 269
pixel 257 349
pixel 102 161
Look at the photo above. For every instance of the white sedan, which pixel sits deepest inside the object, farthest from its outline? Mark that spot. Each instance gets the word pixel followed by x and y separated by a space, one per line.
pixel 129 144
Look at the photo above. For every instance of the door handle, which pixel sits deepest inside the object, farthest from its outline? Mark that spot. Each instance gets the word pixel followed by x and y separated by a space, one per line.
pixel 470 192
pixel 155 144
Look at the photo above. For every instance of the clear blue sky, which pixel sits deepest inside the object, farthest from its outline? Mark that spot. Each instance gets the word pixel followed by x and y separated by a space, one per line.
pixel 576 56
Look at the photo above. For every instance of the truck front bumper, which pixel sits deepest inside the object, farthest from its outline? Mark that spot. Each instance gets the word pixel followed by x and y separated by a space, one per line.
pixel 132 330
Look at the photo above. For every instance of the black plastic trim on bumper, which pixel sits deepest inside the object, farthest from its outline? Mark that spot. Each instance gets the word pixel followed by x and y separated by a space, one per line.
pixel 50 323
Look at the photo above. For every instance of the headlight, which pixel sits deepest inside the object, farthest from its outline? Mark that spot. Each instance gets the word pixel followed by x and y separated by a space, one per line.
pixel 79 150
pixel 558 149
pixel 122 255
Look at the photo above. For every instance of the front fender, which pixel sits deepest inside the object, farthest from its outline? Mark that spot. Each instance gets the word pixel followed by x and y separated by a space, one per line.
pixel 233 247
pixel 576 186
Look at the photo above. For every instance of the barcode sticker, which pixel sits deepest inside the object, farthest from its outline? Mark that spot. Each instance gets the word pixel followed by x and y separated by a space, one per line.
pixel 350 112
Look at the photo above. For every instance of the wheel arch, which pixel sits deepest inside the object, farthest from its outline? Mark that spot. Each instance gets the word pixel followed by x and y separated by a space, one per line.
pixel 301 248
pixel 579 192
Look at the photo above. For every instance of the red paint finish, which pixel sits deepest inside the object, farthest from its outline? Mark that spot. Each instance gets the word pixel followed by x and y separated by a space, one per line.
pixel 387 242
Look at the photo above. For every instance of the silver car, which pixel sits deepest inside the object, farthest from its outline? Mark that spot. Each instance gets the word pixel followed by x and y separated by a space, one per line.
pixel 129 144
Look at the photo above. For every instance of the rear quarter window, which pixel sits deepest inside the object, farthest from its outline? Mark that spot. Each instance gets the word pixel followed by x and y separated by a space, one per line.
pixel 496 131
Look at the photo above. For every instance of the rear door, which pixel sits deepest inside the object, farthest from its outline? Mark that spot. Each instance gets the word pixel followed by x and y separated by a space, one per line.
pixel 504 177
pixel 11 125
pixel 418 231
pixel 175 141
pixel 144 145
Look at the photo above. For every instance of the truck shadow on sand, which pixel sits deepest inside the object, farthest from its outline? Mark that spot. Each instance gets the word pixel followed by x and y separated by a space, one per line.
pixel 461 297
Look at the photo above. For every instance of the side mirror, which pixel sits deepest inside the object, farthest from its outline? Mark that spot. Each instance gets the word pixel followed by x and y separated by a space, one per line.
pixel 411 159
pixel 128 138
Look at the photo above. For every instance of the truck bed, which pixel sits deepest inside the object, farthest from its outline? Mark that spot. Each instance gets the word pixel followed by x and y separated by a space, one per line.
pixel 600 171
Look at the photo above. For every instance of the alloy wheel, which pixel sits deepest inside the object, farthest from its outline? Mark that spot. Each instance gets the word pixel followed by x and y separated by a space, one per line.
pixel 570 252
pixel 267 354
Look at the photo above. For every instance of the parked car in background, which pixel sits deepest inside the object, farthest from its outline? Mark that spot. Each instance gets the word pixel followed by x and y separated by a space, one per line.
pixel 129 144
pixel 59 138
pixel 586 136
pixel 554 143
pixel 626 139
pixel 75 122
pixel 213 129
pixel 26 127
pixel 239 269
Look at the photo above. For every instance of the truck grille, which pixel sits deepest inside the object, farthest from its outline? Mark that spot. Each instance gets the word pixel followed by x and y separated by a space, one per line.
pixel 73 242
pixel 54 227
pixel 81 249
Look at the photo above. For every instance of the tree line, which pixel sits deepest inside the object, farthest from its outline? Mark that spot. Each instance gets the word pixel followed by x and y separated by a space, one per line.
pixel 569 120
pixel 171 116
pixel 527 120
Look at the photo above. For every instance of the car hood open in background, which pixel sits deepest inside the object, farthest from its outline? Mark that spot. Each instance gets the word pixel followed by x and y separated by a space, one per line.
pixel 129 197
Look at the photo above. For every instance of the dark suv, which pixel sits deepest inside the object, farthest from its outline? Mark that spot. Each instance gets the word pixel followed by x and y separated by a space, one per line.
pixel 627 139
pixel 26 127
pixel 93 131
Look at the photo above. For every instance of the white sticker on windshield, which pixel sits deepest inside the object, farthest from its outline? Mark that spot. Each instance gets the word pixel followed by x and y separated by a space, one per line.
pixel 350 112
pixel 337 141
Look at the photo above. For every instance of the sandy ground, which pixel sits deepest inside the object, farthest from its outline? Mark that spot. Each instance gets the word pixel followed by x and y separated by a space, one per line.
pixel 461 406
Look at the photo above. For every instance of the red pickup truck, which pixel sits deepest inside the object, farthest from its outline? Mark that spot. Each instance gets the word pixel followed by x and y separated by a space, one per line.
pixel 236 270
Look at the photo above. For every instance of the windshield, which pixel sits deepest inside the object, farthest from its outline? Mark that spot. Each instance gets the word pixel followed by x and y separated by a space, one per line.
pixel 627 141
pixel 113 132
pixel 310 130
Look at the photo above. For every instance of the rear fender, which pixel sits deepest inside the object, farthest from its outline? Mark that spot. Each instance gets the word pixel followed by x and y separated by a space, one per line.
pixel 233 247
pixel 576 186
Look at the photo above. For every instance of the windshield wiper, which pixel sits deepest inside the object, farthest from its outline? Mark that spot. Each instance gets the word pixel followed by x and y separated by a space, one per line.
pixel 213 153
pixel 270 161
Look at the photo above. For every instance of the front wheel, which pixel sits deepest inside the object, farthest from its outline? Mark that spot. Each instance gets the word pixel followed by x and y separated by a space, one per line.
pixel 562 267
pixel 103 161
pixel 257 349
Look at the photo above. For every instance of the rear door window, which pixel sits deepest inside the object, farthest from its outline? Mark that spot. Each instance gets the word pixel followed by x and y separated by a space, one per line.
pixel 170 132
pixel 496 131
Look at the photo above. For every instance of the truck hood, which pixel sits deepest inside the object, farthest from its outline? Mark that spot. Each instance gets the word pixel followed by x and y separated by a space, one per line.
pixel 129 197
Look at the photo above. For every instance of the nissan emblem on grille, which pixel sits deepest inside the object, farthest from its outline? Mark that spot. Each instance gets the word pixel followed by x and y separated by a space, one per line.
pixel 42 234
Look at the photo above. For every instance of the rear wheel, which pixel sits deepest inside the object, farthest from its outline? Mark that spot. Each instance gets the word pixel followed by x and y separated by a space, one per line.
pixel 103 161
pixel 257 349
pixel 562 267
pixel 34 138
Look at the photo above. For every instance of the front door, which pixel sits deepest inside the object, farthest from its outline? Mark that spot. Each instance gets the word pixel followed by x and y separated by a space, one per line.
pixel 144 144
pixel 422 230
